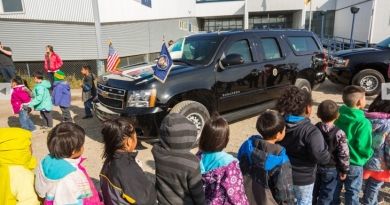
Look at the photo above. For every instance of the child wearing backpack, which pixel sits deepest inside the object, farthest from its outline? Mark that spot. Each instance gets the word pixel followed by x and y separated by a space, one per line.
pixel 178 175
pixel 376 171
pixel 221 174
pixel 122 180
pixel 265 165
pixel 61 95
pixel 304 143
pixel 16 163
pixel 42 101
pixel 358 130
pixel 60 177
pixel 20 98
pixel 335 138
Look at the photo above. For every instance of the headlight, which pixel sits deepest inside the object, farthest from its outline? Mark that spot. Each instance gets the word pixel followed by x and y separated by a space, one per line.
pixel 141 98
pixel 340 62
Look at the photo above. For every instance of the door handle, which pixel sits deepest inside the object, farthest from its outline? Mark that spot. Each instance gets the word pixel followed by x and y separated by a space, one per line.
pixel 256 72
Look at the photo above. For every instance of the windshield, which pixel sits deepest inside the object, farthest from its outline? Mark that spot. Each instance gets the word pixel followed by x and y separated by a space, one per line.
pixel 385 43
pixel 195 50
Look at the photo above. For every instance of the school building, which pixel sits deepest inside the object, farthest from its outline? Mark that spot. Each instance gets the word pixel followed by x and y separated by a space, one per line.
pixel 79 30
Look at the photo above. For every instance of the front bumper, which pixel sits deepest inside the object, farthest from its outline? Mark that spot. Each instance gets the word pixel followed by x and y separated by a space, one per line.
pixel 148 119
pixel 339 75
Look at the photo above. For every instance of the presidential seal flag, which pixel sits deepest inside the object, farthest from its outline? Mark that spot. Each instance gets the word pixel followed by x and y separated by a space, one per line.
pixel 164 65
pixel 113 59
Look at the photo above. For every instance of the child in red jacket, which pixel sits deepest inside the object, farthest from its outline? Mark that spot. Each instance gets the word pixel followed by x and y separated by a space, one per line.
pixel 20 98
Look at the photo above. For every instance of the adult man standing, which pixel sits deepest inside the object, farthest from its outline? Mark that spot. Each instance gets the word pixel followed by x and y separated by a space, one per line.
pixel 7 68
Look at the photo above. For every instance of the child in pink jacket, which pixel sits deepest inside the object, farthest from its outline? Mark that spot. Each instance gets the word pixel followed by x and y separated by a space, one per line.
pixel 20 98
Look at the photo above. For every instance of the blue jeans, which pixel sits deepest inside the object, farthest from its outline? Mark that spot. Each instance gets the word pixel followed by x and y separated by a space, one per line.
pixel 88 107
pixel 304 194
pixel 25 121
pixel 326 182
pixel 353 185
pixel 371 190
pixel 8 72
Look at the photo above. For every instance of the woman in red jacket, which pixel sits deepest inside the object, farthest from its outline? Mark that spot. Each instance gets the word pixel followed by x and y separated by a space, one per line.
pixel 54 64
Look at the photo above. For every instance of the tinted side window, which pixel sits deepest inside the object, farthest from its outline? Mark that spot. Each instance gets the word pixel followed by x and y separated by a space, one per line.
pixel 271 48
pixel 242 48
pixel 303 44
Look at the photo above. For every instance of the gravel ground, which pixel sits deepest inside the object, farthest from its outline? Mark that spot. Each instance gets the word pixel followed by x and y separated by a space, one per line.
pixel 240 131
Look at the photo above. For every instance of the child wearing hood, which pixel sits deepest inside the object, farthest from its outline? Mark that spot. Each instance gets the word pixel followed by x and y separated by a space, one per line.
pixel 42 101
pixel 61 95
pixel 304 143
pixel 376 170
pixel 265 165
pixel 221 174
pixel 60 177
pixel 178 175
pixel 16 163
pixel 358 130
pixel 20 98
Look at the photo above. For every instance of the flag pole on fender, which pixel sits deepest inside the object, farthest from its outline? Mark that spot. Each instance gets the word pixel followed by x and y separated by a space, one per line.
pixel 164 64
pixel 112 59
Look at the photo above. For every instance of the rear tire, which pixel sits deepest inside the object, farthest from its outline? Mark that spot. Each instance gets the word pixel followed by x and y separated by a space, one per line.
pixel 195 112
pixel 370 80
pixel 303 84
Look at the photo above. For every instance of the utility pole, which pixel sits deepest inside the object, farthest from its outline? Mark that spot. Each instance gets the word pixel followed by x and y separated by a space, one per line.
pixel 310 17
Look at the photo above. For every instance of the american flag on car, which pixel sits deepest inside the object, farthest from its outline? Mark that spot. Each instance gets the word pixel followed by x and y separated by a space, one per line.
pixel 113 59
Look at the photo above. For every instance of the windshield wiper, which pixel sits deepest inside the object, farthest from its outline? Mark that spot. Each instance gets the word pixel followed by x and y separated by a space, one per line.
pixel 183 61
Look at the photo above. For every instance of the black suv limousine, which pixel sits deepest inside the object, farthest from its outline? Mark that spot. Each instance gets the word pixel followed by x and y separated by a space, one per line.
pixel 236 74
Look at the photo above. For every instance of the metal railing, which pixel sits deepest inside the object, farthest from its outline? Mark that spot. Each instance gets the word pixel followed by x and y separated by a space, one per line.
pixel 337 43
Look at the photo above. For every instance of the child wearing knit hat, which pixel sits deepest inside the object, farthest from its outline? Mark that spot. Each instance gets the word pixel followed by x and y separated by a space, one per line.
pixel 61 95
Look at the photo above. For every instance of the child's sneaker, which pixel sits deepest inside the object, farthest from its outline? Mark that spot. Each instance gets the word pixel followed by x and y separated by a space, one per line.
pixel 34 130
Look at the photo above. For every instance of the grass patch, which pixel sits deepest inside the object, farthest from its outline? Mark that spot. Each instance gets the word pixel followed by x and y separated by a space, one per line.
pixel 71 79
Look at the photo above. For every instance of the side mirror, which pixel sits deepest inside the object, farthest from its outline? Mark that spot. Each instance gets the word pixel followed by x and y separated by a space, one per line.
pixel 233 59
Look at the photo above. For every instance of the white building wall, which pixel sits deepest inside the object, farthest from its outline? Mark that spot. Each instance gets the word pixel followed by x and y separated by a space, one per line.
pixel 28 40
pixel 381 21
pixel 130 10
pixel 55 10
pixel 298 20
pixel 227 8
pixel 343 19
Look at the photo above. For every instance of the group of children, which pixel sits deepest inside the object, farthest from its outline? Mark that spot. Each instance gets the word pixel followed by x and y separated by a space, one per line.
pixel 290 159
pixel 41 99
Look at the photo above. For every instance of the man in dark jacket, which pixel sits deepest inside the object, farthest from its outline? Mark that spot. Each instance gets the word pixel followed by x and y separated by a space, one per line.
pixel 178 176
pixel 7 68
pixel 265 165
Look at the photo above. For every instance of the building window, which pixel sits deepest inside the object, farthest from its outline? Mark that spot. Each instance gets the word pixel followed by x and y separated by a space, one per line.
pixel 11 6
pixel 270 22
pixel 221 24
pixel 316 22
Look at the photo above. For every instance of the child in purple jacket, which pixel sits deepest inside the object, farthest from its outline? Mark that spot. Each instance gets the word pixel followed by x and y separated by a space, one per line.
pixel 20 98
pixel 61 95
pixel 221 174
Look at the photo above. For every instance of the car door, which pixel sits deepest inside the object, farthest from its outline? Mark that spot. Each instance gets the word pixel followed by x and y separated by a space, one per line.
pixel 237 85
pixel 277 71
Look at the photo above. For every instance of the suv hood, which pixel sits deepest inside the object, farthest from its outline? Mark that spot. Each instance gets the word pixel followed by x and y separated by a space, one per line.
pixel 355 52
pixel 136 75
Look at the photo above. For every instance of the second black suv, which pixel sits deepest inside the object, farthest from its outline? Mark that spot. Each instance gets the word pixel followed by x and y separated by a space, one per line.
pixel 236 73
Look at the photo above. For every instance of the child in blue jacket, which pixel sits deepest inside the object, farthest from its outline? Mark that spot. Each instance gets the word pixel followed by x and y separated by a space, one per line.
pixel 61 95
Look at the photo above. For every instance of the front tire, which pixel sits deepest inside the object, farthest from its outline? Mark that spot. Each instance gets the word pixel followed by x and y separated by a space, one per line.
pixel 303 84
pixel 370 80
pixel 195 112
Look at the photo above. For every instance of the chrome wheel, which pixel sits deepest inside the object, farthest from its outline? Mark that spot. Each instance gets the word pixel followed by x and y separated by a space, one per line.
pixel 369 83
pixel 198 120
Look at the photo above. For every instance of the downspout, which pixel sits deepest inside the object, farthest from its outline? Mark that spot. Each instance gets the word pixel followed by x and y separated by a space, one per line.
pixel 370 33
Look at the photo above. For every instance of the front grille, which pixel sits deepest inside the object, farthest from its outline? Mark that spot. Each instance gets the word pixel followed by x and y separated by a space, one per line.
pixel 110 102
pixel 111 97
